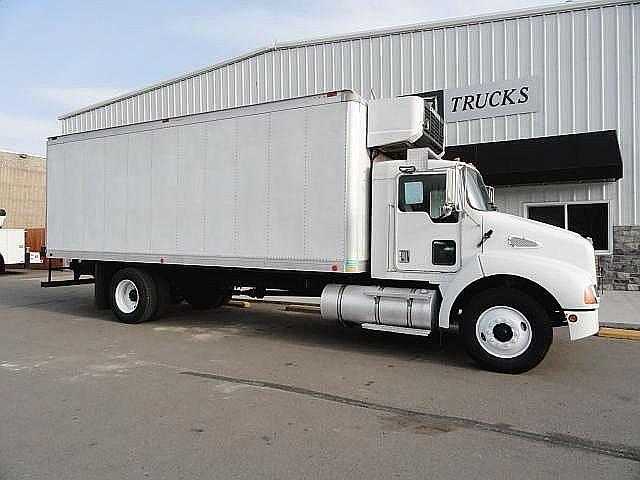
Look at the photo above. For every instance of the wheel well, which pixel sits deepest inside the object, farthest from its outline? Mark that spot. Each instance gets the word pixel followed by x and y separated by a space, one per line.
pixel 548 301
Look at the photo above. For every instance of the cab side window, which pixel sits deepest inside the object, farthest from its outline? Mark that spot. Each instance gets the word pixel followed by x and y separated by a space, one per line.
pixel 425 193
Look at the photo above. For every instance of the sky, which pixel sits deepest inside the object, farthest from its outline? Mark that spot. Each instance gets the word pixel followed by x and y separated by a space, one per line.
pixel 60 55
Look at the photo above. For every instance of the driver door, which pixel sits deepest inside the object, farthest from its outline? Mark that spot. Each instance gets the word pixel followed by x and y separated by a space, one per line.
pixel 426 240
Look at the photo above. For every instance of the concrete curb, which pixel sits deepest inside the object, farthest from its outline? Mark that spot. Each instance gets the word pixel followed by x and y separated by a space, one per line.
pixel 303 309
pixel 282 302
pixel 239 303
pixel 619 333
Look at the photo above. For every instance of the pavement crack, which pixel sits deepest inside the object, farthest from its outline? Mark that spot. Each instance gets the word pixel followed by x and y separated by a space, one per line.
pixel 601 448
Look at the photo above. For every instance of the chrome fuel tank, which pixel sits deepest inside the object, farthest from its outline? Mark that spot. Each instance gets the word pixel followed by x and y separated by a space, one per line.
pixel 403 307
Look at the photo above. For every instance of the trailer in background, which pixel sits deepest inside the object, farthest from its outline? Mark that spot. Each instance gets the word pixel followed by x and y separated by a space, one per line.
pixel 11 245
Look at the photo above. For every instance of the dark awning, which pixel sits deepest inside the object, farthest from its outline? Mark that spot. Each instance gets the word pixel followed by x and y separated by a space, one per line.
pixel 581 157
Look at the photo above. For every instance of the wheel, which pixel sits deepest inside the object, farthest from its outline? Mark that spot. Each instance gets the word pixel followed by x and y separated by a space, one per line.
pixel 2 265
pixel 134 295
pixel 206 296
pixel 505 330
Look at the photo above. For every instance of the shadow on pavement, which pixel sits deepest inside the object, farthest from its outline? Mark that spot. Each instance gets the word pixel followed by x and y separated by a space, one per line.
pixel 263 320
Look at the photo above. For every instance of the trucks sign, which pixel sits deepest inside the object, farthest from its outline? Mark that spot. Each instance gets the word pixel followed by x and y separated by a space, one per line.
pixel 492 99
pixel 486 100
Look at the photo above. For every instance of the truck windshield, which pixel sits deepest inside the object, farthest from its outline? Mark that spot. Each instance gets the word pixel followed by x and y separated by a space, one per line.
pixel 477 194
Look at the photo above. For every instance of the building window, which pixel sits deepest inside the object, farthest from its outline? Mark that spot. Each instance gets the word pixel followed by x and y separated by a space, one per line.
pixel 553 215
pixel 591 220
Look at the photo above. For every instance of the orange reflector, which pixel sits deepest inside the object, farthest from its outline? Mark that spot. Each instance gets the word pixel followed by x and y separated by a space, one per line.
pixel 572 318
pixel 332 94
pixel 590 295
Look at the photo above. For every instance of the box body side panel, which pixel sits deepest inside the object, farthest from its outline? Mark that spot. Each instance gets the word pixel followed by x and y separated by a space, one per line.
pixel 286 189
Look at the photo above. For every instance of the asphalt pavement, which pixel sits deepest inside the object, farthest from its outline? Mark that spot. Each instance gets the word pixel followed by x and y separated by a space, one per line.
pixel 260 392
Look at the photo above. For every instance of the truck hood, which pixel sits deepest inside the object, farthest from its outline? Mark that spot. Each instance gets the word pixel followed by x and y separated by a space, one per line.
pixel 517 234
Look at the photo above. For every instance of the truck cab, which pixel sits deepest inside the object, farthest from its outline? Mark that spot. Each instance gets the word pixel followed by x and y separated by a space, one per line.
pixel 503 281
pixel 434 222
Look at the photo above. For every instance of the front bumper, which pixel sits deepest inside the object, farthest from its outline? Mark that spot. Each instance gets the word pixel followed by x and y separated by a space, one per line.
pixel 585 325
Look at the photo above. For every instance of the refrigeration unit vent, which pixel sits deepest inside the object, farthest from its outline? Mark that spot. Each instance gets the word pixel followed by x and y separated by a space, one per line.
pixel 433 136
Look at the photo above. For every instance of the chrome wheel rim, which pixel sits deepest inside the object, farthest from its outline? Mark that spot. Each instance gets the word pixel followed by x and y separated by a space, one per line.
pixel 127 296
pixel 503 332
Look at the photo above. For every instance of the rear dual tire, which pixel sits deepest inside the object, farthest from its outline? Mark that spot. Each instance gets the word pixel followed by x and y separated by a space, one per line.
pixel 138 295
pixel 134 295
pixel 204 297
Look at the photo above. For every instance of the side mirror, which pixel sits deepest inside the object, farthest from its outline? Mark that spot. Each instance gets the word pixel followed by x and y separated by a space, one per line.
pixel 451 194
pixel 492 194
pixel 492 198
pixel 446 210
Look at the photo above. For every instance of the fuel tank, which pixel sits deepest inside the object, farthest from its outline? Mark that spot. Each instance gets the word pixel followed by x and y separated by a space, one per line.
pixel 402 307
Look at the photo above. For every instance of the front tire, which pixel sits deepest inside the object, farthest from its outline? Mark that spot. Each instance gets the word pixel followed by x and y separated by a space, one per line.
pixel 134 295
pixel 505 330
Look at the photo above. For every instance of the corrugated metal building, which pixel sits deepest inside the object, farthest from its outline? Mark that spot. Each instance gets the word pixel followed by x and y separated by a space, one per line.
pixel 22 189
pixel 512 87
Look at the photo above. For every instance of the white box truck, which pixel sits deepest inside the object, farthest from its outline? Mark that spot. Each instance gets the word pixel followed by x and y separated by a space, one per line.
pixel 11 244
pixel 325 195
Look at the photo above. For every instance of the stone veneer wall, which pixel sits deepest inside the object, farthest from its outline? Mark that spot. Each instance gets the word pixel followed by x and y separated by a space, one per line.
pixel 621 271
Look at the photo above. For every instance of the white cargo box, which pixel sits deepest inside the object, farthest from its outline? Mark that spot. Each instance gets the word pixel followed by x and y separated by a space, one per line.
pixel 281 185
pixel 12 245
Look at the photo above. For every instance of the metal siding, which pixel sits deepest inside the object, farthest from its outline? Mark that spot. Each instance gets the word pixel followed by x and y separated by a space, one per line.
pixel 164 185
pixel 587 57
pixel 138 192
pixel 220 193
pixel 114 173
pixel 286 197
pixel 93 181
pixel 191 189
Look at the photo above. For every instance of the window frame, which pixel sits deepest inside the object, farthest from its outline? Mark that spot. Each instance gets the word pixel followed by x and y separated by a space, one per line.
pixel 401 192
pixel 566 217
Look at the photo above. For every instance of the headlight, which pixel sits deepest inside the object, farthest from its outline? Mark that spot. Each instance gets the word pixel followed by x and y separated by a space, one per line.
pixel 590 296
